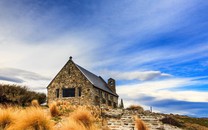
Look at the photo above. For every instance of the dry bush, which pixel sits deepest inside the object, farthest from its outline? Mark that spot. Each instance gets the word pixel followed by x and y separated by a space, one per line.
pixel 95 111
pixel 85 115
pixel 81 118
pixel 7 117
pixel 64 108
pixel 35 103
pixel 32 118
pixel 171 121
pixel 140 124
pixel 15 94
pixel 135 107
pixel 54 109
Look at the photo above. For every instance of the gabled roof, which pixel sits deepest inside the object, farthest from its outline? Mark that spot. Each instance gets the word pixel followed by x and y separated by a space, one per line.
pixel 97 81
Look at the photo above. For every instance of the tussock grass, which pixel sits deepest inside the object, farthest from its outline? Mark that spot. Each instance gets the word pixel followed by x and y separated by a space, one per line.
pixel 81 118
pixel 65 109
pixel 32 118
pixel 54 109
pixel 35 103
pixel 7 117
pixel 140 124
pixel 71 124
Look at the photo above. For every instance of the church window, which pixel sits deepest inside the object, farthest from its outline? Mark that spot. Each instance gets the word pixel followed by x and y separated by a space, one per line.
pixel 111 97
pixel 106 96
pixel 109 103
pixel 57 93
pixel 79 91
pixel 103 101
pixel 68 92
pixel 114 105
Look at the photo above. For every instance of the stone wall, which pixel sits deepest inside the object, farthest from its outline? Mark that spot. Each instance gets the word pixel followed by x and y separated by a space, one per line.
pixel 118 119
pixel 71 77
pixel 104 98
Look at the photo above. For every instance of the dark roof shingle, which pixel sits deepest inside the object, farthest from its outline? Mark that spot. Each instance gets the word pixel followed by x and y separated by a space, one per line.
pixel 97 81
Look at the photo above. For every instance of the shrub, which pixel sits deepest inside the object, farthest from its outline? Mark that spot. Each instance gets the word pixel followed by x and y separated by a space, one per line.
pixel 140 124
pixel 171 121
pixel 54 109
pixel 135 107
pixel 14 94
pixel 32 118
pixel 121 105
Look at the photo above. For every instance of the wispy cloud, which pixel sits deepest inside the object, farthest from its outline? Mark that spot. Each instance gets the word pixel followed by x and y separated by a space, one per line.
pixel 153 42
pixel 12 79
pixel 32 80
pixel 160 93
pixel 12 72
pixel 136 75
pixel 162 89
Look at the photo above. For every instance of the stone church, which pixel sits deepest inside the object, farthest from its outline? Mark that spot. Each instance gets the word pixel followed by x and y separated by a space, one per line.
pixel 78 86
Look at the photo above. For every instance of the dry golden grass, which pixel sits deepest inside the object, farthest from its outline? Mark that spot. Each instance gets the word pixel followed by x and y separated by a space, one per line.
pixel 54 109
pixel 71 124
pixel 35 118
pixel 140 124
pixel 32 118
pixel 65 109
pixel 82 119
pixel 35 103
pixel 105 128
pixel 95 111
pixel 7 117
pixel 83 116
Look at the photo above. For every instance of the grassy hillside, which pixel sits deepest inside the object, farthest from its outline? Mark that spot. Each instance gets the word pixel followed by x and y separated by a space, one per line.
pixel 186 122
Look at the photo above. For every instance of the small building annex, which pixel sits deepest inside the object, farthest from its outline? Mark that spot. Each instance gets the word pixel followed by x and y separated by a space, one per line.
pixel 81 87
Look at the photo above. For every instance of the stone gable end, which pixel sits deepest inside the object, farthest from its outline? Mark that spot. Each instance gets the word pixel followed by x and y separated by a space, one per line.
pixel 74 84
pixel 70 77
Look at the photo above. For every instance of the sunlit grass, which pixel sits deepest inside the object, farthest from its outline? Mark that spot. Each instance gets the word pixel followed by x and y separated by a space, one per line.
pixel 140 124
pixel 54 109
pixel 81 118
pixel 7 117
pixel 32 118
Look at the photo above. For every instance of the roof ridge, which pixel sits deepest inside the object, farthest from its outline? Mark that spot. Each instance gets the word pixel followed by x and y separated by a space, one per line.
pixel 95 80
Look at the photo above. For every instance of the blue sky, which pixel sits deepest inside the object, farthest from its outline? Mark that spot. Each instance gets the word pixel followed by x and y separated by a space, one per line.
pixel 156 50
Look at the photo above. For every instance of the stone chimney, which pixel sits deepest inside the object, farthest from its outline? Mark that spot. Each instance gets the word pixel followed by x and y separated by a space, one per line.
pixel 112 84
